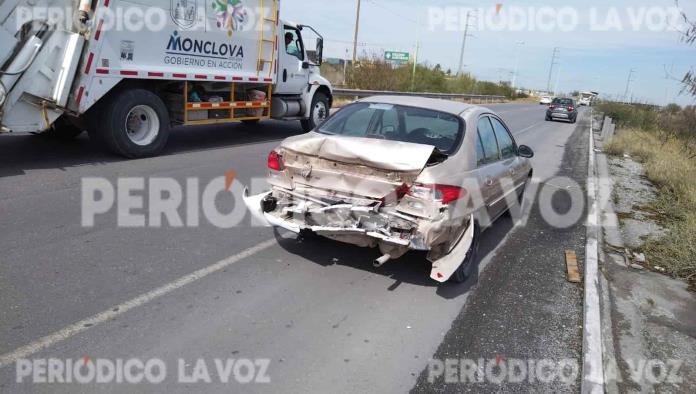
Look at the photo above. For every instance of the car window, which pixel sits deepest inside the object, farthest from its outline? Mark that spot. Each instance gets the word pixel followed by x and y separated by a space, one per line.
pixel 563 102
pixel 505 141
pixel 397 123
pixel 480 155
pixel 487 135
pixel 293 44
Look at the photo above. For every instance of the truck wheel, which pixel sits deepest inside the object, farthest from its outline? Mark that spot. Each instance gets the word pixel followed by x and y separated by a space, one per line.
pixel 319 112
pixel 63 130
pixel 465 269
pixel 134 124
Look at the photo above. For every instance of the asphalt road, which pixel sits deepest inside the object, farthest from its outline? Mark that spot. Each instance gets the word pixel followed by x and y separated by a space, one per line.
pixel 324 317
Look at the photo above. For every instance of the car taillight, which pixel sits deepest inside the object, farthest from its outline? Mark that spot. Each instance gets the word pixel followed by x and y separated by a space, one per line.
pixel 275 162
pixel 570 109
pixel 552 107
pixel 442 193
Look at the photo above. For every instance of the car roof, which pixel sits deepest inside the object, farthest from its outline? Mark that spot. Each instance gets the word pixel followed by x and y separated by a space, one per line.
pixel 449 106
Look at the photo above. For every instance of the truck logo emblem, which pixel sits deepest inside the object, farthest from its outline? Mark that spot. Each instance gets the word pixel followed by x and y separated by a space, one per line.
pixel 184 12
pixel 306 171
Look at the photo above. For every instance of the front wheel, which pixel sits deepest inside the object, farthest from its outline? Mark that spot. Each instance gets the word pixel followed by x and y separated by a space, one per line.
pixel 134 124
pixel 319 112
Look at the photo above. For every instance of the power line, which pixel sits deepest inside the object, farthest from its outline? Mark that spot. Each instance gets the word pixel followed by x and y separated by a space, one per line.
pixel 392 12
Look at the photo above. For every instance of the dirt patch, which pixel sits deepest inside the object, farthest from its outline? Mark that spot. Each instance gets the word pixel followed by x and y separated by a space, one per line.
pixel 632 193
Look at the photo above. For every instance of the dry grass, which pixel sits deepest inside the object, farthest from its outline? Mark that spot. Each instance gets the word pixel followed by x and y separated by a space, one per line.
pixel 671 169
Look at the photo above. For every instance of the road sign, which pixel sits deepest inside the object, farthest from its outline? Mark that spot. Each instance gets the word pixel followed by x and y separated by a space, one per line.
pixel 397 57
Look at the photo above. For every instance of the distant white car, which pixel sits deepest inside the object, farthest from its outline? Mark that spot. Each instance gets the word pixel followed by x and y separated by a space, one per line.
pixel 585 101
pixel 545 100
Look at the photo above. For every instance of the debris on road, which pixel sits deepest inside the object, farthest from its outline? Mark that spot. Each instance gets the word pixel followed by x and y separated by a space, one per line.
pixel 573 274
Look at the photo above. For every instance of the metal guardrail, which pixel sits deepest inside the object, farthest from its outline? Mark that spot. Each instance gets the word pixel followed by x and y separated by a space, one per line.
pixel 452 96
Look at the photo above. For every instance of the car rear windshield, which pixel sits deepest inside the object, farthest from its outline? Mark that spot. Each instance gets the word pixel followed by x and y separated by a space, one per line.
pixel 397 123
pixel 563 101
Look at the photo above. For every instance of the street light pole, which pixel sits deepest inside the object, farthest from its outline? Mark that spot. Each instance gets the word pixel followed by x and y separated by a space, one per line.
pixel 355 38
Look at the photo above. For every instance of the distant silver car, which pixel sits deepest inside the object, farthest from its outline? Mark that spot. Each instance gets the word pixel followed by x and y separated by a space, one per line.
pixel 399 173
pixel 562 109
pixel 545 100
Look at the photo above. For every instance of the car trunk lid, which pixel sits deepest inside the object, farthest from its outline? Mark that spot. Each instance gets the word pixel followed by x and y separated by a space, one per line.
pixel 355 166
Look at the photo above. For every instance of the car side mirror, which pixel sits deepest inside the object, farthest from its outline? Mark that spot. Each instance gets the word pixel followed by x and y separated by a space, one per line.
pixel 305 65
pixel 525 151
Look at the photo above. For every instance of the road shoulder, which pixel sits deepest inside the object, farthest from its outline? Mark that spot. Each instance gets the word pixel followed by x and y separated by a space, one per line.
pixel 539 316
pixel 650 338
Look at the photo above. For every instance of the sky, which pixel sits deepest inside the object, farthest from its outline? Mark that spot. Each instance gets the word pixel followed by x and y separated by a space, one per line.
pixel 599 41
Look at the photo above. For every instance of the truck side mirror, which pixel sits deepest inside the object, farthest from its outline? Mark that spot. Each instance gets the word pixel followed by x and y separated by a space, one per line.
pixel 305 65
pixel 320 51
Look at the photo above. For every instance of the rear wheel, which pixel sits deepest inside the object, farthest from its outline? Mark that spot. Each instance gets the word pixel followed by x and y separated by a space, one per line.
pixel 134 123
pixel 319 112
pixel 466 268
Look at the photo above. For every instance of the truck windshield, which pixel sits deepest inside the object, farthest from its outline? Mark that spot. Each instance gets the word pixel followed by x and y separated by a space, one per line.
pixel 397 123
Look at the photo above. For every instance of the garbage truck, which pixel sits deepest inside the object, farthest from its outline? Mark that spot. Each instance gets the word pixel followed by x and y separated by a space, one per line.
pixel 127 72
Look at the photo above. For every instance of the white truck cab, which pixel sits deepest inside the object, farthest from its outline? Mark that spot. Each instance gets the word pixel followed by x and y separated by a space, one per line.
pixel 127 81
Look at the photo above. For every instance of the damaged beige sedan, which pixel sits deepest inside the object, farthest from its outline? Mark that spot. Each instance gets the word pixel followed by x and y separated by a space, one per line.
pixel 400 174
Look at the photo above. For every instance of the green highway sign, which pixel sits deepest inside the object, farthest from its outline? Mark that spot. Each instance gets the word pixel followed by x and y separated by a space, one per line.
pixel 397 57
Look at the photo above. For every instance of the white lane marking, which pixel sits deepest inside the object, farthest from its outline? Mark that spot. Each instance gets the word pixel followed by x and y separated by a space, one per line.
pixel 593 368
pixel 526 129
pixel 111 313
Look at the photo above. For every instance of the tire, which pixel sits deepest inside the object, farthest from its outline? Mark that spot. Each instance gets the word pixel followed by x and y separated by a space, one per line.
pixel 465 269
pixel 575 119
pixel 319 112
pixel 133 123
pixel 63 130
pixel 548 118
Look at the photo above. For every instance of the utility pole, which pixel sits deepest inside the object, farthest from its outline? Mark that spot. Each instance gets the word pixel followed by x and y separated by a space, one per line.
pixel 415 58
pixel 345 66
pixel 517 64
pixel 628 83
pixel 466 34
pixel 553 63
pixel 355 39
pixel 415 65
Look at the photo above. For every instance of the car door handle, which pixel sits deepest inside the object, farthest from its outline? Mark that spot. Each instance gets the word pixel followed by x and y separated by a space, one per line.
pixel 489 181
